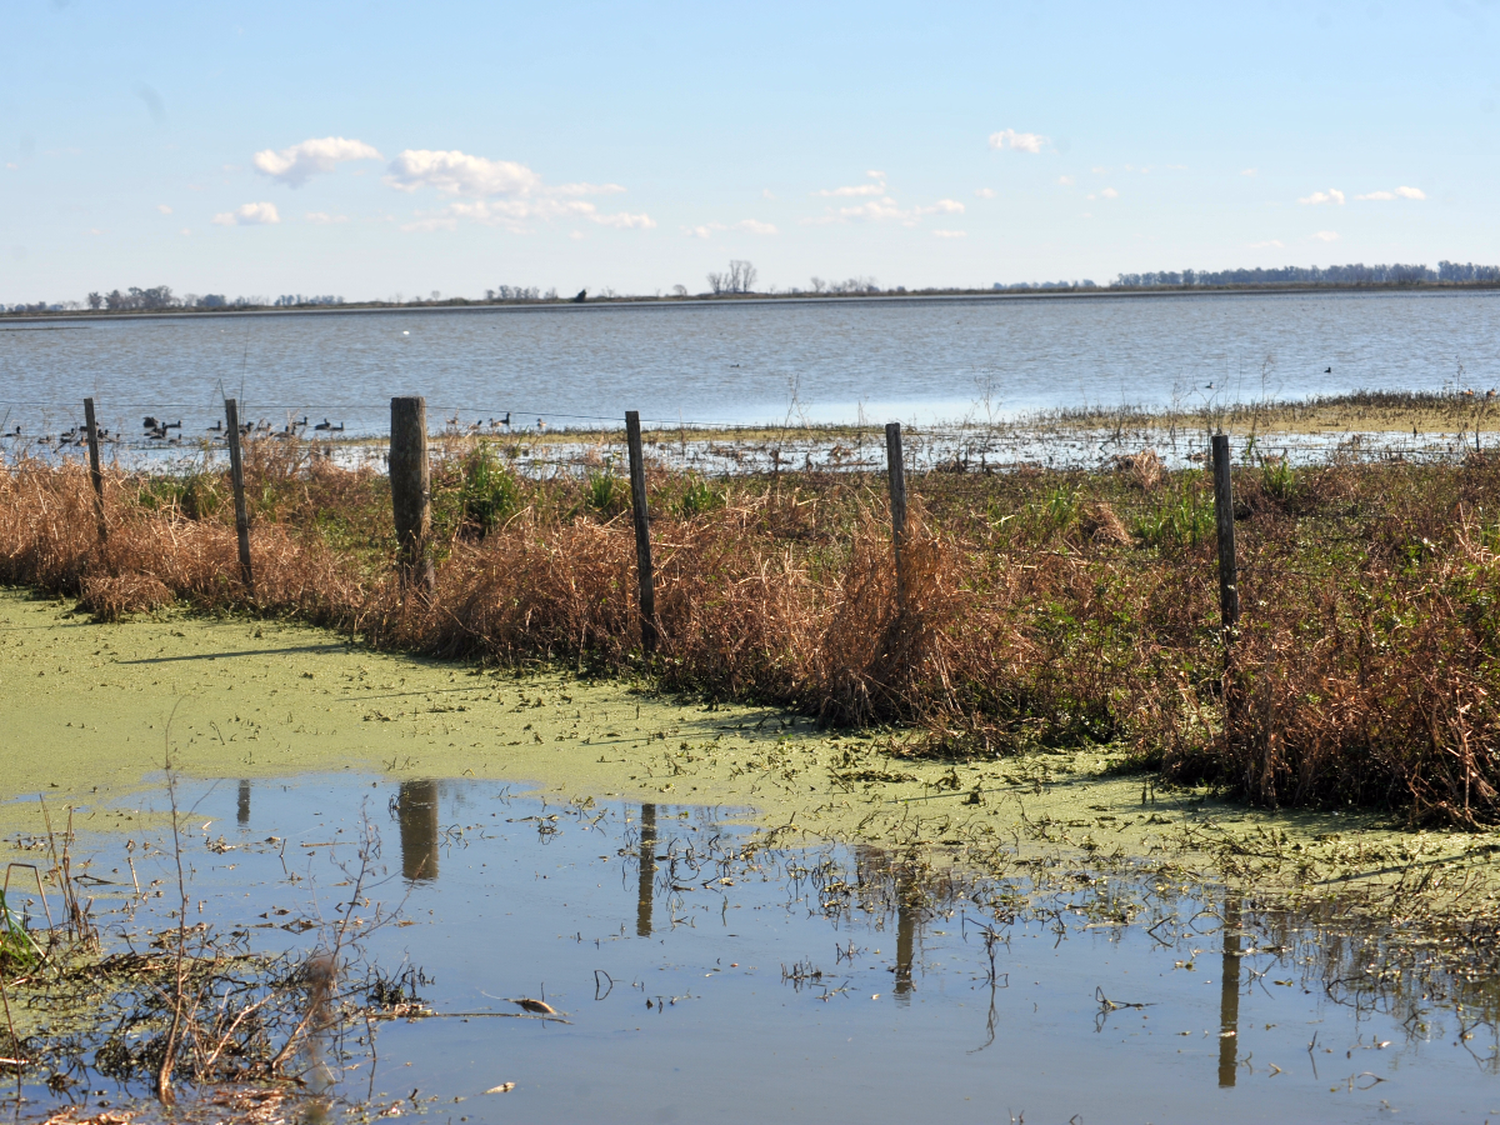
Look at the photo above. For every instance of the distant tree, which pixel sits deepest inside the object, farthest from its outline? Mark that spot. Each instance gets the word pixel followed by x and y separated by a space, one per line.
pixel 818 284
pixel 738 278
pixel 679 291
pixel 95 300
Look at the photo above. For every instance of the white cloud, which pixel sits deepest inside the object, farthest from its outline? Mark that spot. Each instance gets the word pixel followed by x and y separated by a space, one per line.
pixel 1066 181
pixel 1267 244
pixel 1099 170
pixel 514 214
pixel 1109 193
pixel 1332 195
pixel 324 217
pixel 1017 142
pixel 752 226
pixel 986 192
pixel 506 194
pixel 887 209
pixel 164 209
pixel 767 193
pixel 950 234
pixel 1248 172
pixel 186 231
pixel 249 215
pixel 876 188
pixel 1400 193
pixel 294 166
pixel 1327 236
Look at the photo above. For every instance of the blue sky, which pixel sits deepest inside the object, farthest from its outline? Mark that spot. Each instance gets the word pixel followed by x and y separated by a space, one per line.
pixel 372 149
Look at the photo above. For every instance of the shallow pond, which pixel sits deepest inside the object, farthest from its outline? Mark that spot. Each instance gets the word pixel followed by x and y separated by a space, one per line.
pixel 696 977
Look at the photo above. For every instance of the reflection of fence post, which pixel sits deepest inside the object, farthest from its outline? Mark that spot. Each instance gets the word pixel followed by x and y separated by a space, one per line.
pixel 1229 590
pixel 237 481
pixel 1229 994
pixel 92 425
pixel 647 880
pixel 411 490
pixel 645 576
pixel 896 474
pixel 417 813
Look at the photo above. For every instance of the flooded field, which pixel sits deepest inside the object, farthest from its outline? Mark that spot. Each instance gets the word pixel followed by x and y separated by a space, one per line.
pixel 728 913
pixel 694 974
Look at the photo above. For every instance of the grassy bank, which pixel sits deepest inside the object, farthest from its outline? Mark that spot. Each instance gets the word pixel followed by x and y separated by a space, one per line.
pixel 1047 608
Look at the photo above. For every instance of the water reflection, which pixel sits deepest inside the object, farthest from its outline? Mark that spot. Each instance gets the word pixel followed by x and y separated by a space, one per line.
pixel 1229 994
pixel 648 871
pixel 908 913
pixel 242 809
pixel 417 811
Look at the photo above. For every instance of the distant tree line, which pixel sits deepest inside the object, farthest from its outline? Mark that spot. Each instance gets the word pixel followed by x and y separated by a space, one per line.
pixel 1084 284
pixel 1356 274
pixel 738 278
pixel 290 300
pixel 519 293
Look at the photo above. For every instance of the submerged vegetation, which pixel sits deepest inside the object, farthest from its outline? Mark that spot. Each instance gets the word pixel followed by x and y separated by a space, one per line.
pixel 1044 608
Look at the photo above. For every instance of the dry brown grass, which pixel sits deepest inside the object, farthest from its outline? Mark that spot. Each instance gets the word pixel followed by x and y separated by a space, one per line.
pixel 1044 608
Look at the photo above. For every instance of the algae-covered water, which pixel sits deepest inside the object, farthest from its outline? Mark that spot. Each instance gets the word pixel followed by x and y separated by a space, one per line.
pixel 741 917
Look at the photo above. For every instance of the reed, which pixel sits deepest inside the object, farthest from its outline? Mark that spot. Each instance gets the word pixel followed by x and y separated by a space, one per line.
pixel 1044 608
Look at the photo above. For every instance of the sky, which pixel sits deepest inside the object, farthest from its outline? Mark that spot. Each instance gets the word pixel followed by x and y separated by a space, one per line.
pixel 370 150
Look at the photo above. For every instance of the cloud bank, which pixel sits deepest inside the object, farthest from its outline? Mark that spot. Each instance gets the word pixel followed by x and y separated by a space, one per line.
pixel 498 193
pixel 249 215
pixel 296 165
pixel 1402 192
pixel 1317 198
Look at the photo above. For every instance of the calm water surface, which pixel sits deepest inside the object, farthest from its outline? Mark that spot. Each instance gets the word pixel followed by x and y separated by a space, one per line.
pixel 750 362
pixel 825 984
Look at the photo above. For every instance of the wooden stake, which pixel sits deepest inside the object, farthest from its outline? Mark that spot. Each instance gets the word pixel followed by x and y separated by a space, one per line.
pixel 237 480
pixel 1229 590
pixel 896 477
pixel 645 575
pixel 92 424
pixel 411 490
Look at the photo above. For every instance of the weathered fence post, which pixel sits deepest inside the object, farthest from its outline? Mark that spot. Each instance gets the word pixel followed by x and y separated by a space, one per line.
pixel 411 490
pixel 646 577
pixel 237 481
pixel 896 474
pixel 92 425
pixel 1229 589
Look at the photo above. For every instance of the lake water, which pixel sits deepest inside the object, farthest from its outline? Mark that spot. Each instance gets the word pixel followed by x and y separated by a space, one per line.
pixel 702 980
pixel 916 360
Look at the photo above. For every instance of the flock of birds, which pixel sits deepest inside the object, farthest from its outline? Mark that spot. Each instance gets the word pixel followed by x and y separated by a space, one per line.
pixel 159 430
pixel 154 429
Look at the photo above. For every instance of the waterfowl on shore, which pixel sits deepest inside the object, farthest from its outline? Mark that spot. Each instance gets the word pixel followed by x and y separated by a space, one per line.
pixel 325 424
pixel 216 428
pixel 1327 371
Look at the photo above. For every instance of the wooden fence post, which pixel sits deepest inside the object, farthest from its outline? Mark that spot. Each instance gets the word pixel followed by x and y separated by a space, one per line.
pixel 92 425
pixel 896 478
pixel 411 490
pixel 645 575
pixel 1229 589
pixel 237 480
